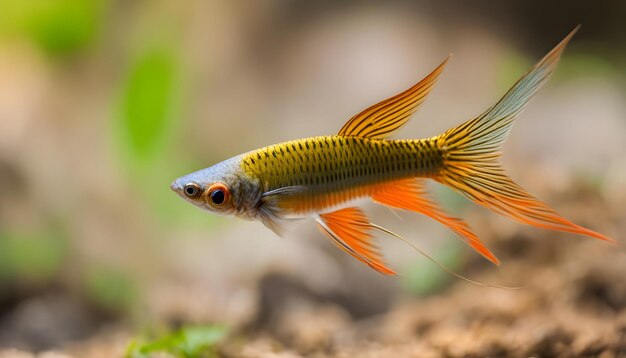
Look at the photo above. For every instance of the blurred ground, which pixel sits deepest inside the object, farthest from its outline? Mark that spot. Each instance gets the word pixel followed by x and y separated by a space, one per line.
pixel 103 103
pixel 573 304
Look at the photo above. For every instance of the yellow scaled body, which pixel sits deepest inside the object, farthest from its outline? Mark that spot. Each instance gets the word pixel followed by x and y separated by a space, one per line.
pixel 335 169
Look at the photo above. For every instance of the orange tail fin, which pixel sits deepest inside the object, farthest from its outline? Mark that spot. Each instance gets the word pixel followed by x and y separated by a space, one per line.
pixel 471 150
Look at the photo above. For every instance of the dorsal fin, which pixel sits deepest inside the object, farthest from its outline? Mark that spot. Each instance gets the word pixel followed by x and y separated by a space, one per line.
pixel 382 119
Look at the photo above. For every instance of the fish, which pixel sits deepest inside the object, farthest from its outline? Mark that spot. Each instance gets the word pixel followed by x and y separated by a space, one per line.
pixel 320 178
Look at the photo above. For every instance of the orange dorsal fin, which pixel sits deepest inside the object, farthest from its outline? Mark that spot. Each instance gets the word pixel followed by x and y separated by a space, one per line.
pixel 350 229
pixel 382 119
pixel 411 194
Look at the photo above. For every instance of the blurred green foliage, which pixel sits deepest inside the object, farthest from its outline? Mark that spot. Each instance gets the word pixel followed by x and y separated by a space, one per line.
pixel 31 258
pixel 451 200
pixel 109 288
pixel 148 95
pixel 585 64
pixel 59 27
pixel 148 118
pixel 512 65
pixel 423 277
pixel 189 342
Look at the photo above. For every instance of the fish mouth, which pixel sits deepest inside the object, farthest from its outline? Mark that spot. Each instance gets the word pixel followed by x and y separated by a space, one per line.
pixel 175 186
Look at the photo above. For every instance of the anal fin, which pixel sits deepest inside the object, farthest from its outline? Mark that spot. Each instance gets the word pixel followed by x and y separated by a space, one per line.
pixel 350 229
pixel 411 194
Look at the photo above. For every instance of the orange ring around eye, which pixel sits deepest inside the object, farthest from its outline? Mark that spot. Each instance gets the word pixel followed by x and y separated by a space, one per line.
pixel 218 194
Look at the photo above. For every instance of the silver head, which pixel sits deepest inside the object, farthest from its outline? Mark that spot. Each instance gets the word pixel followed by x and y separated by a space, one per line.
pixel 222 189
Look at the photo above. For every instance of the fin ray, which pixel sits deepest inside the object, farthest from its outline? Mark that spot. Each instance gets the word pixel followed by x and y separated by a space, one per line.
pixel 488 131
pixel 383 118
pixel 411 194
pixel 471 151
pixel 440 265
pixel 350 229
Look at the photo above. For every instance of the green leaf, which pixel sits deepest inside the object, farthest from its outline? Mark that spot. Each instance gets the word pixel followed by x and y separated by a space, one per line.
pixel 189 342
pixel 148 99
pixel 58 26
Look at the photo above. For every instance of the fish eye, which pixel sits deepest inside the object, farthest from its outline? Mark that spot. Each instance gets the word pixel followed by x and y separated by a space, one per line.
pixel 219 194
pixel 191 189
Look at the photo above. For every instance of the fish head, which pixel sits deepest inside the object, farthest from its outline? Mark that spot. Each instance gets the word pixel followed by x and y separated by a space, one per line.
pixel 220 189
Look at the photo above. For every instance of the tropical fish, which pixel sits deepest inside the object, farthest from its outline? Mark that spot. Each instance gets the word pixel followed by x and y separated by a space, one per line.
pixel 320 177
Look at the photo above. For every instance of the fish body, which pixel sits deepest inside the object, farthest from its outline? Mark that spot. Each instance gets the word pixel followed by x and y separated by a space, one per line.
pixel 330 170
pixel 319 177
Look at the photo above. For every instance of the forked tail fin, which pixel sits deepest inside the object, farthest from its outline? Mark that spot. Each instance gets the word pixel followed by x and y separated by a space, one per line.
pixel 471 151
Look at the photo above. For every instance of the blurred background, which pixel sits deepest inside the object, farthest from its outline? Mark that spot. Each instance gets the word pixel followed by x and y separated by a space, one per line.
pixel 104 103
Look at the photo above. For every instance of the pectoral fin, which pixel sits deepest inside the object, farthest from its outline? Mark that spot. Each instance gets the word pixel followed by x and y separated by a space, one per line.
pixel 269 210
pixel 350 229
